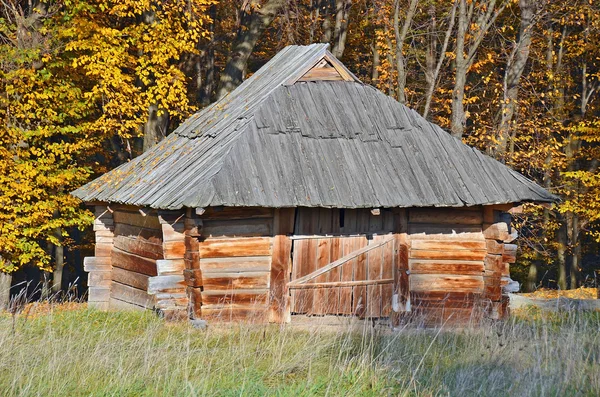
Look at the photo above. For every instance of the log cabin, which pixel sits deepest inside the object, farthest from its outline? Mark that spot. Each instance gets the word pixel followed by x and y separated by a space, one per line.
pixel 305 191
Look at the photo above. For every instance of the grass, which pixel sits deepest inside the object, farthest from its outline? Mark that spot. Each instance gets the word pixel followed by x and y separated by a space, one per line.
pixel 87 352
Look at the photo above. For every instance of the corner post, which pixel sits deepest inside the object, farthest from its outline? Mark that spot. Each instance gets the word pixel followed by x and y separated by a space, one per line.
pixel 99 266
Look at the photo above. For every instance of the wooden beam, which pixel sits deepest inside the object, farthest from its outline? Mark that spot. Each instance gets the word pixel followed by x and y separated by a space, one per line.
pixel 340 261
pixel 329 284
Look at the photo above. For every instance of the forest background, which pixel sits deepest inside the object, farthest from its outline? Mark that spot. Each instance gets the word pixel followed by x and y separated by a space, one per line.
pixel 86 85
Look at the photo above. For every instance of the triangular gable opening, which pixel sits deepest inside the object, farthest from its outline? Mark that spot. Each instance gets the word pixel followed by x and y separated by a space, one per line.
pixel 328 68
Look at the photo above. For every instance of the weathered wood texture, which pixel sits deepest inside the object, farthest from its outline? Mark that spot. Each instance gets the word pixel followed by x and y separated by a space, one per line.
pixel 228 267
pixel 353 287
pixel 99 266
pixel 446 262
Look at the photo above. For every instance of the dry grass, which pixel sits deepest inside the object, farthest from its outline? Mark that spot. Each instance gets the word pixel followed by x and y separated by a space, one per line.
pixel 55 351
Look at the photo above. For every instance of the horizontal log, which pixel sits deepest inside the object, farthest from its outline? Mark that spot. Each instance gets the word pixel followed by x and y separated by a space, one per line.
pixel 442 282
pixel 99 279
pixel 136 219
pixel 494 246
pixel 193 277
pixel 235 296
pixel 509 255
pixel 134 263
pixel 424 266
pixel 169 266
pixel 448 230
pixel 493 263
pixel 496 231
pixel 102 249
pixel 237 264
pixel 139 246
pixel 133 279
pixel 229 281
pixel 104 233
pixel 444 215
pixel 234 247
pixel 104 239
pixel 431 297
pixel 117 304
pixel 445 245
pixel 330 284
pixel 172 304
pixel 472 255
pixel 136 232
pixel 158 284
pixel 173 249
pixel 236 213
pixel 247 315
pixel 173 232
pixel 94 263
pixel 238 227
pixel 130 294
pixel 98 294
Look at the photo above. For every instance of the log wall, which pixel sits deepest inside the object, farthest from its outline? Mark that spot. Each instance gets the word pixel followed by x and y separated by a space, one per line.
pixel 99 266
pixel 233 274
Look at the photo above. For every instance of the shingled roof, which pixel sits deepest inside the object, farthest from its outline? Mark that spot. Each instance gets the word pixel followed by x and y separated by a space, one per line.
pixel 281 141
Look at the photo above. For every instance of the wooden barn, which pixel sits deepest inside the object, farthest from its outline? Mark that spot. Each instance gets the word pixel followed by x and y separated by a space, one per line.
pixel 305 191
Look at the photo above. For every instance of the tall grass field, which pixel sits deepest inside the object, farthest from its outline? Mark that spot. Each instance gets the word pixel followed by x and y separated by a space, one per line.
pixel 78 351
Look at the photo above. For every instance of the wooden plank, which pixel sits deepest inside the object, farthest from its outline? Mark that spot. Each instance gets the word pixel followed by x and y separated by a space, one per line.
pixel 136 232
pixel 494 247
pixel 227 213
pixel 193 277
pixel 99 279
pixel 236 264
pixel 359 299
pixel 232 281
pixel 375 268
pixel 422 235
pixel 174 231
pixel 442 282
pixel 320 295
pixel 445 245
pixel 387 272
pixel 169 266
pixel 133 279
pixel 445 216
pixel 240 296
pixel 233 247
pixel 346 275
pixel 234 314
pixel 354 254
pixel 426 266
pixel 102 249
pixel 129 294
pixel 331 284
pixel 93 263
pixel 299 302
pixel 494 263
pixel 448 230
pixel 509 255
pixel 283 225
pixel 98 294
pixel 335 253
pixel 168 283
pixel 472 255
pixel 139 246
pixel 173 249
pixel 136 219
pixel 252 227
pixel 322 74
pixel 496 231
pixel 132 262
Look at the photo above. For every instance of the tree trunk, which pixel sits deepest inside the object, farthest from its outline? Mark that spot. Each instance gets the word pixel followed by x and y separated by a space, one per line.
pixel 532 276
pixel 155 129
pixel 512 75
pixel 561 254
pixel 376 63
pixel 433 69
pixel 253 24
pixel 5 283
pixel 340 31
pixel 59 258
pixel 458 93
pixel 400 36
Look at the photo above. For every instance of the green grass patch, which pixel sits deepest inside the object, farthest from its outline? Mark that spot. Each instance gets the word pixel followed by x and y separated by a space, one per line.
pixel 87 352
